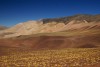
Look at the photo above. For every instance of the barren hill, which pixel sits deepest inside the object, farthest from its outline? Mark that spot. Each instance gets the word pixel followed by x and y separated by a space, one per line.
pixel 76 39
pixel 67 32
pixel 54 25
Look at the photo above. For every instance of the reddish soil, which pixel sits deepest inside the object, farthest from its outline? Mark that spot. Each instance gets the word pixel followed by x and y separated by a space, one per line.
pixel 53 42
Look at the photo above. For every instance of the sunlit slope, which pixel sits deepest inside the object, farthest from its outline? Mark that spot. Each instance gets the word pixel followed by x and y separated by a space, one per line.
pixel 52 25
pixel 53 28
pixel 80 31
pixel 66 39
pixel 71 33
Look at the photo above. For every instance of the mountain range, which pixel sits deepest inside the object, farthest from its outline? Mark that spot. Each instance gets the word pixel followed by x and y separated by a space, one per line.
pixel 76 31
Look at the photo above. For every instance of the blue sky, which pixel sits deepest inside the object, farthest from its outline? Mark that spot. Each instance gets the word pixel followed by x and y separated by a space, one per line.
pixel 16 11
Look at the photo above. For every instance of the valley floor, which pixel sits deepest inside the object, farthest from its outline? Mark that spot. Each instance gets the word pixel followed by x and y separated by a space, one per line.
pixel 66 57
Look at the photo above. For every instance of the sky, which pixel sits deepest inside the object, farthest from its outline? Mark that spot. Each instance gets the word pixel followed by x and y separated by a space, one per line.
pixel 16 11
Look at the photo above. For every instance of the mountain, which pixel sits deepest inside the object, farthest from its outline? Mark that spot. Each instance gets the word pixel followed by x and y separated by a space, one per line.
pixel 54 25
pixel 78 17
pixel 2 27
pixel 65 32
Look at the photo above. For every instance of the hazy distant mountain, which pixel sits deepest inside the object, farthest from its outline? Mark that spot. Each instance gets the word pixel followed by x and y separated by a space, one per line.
pixel 3 27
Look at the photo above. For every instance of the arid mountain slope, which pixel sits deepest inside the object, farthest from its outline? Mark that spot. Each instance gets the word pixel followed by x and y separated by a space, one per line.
pixel 61 40
pixel 75 22
pixel 35 27
pixel 78 17
pixel 78 31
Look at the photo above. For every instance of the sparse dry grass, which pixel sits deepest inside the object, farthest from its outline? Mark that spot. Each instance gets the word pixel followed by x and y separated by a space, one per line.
pixel 71 33
pixel 71 57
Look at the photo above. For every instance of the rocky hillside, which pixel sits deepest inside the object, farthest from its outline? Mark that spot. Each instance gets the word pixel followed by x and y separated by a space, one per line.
pixel 67 32
pixel 78 17
pixel 77 22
